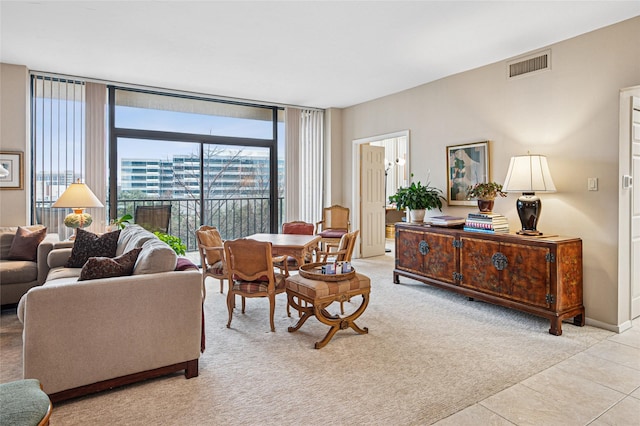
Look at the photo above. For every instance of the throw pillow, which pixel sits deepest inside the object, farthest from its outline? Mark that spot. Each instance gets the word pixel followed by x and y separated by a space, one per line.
pixel 185 264
pixel 106 267
pixel 211 238
pixel 87 244
pixel 25 244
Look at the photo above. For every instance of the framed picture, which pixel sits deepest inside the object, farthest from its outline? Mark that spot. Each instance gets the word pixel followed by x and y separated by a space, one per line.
pixel 466 165
pixel 11 170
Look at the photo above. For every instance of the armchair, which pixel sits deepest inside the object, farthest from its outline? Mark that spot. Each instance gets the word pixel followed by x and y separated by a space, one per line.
pixel 334 224
pixel 210 246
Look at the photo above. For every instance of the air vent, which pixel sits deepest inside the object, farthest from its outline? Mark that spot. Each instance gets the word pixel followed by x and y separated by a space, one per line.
pixel 538 62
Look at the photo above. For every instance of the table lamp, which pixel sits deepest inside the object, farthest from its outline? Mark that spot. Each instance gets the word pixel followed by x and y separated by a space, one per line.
pixel 529 174
pixel 78 197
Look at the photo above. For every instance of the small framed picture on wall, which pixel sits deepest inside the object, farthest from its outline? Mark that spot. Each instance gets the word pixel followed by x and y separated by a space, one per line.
pixel 11 170
pixel 467 165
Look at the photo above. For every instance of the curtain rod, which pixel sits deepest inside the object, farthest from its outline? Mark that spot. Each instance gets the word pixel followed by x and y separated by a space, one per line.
pixel 170 91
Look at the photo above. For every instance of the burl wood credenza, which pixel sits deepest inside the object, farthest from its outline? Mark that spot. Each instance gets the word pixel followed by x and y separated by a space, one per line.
pixel 538 275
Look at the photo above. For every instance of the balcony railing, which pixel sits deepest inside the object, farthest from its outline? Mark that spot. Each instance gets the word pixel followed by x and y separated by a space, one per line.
pixel 234 217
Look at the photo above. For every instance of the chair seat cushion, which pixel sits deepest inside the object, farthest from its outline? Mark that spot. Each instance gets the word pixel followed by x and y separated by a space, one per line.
pixel 217 268
pixel 332 233
pixel 316 289
pixel 251 287
pixel 23 403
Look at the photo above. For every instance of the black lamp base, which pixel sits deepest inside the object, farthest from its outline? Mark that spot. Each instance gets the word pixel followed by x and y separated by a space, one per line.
pixel 529 207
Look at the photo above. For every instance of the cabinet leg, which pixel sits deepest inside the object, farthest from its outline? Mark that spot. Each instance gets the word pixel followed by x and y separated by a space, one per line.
pixel 556 327
pixel 579 320
pixel 396 278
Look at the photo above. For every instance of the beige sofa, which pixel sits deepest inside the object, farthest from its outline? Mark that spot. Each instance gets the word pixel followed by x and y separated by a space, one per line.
pixel 18 276
pixel 85 336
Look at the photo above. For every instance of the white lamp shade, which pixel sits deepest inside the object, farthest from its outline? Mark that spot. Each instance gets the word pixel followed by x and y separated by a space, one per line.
pixel 528 173
pixel 78 195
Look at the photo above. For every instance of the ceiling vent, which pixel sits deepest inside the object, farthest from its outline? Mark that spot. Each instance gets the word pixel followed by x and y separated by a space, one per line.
pixel 538 62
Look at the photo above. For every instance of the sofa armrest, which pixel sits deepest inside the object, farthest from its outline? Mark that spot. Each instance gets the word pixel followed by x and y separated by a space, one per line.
pixel 58 257
pixel 85 332
pixel 44 248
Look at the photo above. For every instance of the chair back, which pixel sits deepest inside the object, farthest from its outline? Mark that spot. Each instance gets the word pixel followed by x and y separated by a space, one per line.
pixel 347 244
pixel 153 218
pixel 208 237
pixel 335 217
pixel 298 227
pixel 249 260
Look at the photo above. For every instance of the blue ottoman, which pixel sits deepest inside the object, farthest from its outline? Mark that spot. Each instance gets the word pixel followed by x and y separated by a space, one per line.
pixel 24 403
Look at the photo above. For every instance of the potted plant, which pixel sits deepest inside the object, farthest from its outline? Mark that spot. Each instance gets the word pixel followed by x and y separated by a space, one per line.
pixel 485 193
pixel 174 242
pixel 417 198
pixel 120 222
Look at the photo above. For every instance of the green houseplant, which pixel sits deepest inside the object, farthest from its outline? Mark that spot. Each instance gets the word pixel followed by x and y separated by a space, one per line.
pixel 121 222
pixel 174 242
pixel 485 193
pixel 417 198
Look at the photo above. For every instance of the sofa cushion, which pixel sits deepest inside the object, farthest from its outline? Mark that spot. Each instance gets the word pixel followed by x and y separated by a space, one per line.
pixel 132 236
pixel 18 271
pixel 25 244
pixel 87 244
pixel 156 256
pixel 7 233
pixel 106 267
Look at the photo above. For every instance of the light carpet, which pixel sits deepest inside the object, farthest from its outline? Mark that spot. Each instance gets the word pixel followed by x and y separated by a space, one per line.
pixel 429 353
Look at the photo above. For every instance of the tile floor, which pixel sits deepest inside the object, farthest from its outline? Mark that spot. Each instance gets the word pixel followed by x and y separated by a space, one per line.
pixel 600 386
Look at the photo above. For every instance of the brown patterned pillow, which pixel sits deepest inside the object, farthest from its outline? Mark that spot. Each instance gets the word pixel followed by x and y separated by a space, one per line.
pixel 87 244
pixel 25 244
pixel 106 267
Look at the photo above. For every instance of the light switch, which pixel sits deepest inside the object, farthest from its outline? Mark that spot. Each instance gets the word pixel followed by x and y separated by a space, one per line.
pixel 592 184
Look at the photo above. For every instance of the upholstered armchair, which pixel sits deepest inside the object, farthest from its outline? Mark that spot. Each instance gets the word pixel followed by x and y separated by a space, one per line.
pixel 334 224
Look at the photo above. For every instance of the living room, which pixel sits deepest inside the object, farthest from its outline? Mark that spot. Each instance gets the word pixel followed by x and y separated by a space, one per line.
pixel 570 113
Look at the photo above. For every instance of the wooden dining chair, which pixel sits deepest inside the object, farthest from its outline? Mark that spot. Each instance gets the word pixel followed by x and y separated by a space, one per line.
pixel 334 224
pixel 343 253
pixel 250 271
pixel 298 227
pixel 211 248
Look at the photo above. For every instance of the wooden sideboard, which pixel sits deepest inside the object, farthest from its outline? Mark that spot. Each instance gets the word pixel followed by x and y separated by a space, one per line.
pixel 538 275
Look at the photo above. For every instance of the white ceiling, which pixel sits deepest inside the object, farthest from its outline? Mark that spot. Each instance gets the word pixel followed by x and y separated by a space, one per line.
pixel 309 53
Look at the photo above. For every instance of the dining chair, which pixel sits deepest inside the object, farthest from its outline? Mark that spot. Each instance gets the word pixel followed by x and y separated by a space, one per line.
pixel 298 227
pixel 153 218
pixel 251 273
pixel 211 248
pixel 334 224
pixel 343 253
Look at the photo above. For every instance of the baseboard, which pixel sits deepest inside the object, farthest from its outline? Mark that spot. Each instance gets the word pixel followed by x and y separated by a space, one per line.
pixel 611 327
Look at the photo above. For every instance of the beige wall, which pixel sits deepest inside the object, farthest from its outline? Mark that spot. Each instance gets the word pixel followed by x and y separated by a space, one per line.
pixel 569 113
pixel 14 131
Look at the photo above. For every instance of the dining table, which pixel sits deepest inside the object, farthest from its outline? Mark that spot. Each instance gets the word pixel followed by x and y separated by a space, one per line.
pixel 294 245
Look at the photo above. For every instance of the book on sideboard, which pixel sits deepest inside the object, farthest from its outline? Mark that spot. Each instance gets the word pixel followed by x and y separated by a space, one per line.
pixel 448 221
pixel 486 222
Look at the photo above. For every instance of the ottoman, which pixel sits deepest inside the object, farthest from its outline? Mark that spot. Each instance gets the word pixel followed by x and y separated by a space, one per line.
pixel 319 294
pixel 23 403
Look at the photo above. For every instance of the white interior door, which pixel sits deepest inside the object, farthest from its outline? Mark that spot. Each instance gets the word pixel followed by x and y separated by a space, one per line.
pixel 635 210
pixel 372 232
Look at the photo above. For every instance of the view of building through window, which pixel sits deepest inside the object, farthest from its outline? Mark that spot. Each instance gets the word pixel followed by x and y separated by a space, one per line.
pixel 216 163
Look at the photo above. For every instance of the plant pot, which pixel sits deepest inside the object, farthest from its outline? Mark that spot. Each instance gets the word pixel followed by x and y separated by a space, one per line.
pixel 485 206
pixel 417 216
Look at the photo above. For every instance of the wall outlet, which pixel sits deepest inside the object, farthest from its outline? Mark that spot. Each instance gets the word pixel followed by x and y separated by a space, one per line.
pixel 592 184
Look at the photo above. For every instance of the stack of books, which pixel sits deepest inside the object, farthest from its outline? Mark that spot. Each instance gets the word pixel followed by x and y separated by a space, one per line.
pixel 447 221
pixel 492 223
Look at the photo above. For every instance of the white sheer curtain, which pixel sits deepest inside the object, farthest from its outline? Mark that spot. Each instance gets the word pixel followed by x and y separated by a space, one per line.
pixel 96 150
pixel 305 164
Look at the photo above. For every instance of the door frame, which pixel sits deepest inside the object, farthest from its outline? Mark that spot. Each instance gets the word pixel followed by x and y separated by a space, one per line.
pixel 624 209
pixel 356 176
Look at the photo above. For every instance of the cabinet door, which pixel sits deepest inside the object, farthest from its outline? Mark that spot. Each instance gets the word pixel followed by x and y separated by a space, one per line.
pixel 527 276
pixel 476 267
pixel 426 253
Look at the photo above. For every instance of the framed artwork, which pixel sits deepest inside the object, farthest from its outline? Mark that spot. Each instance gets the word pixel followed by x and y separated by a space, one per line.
pixel 466 165
pixel 11 170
